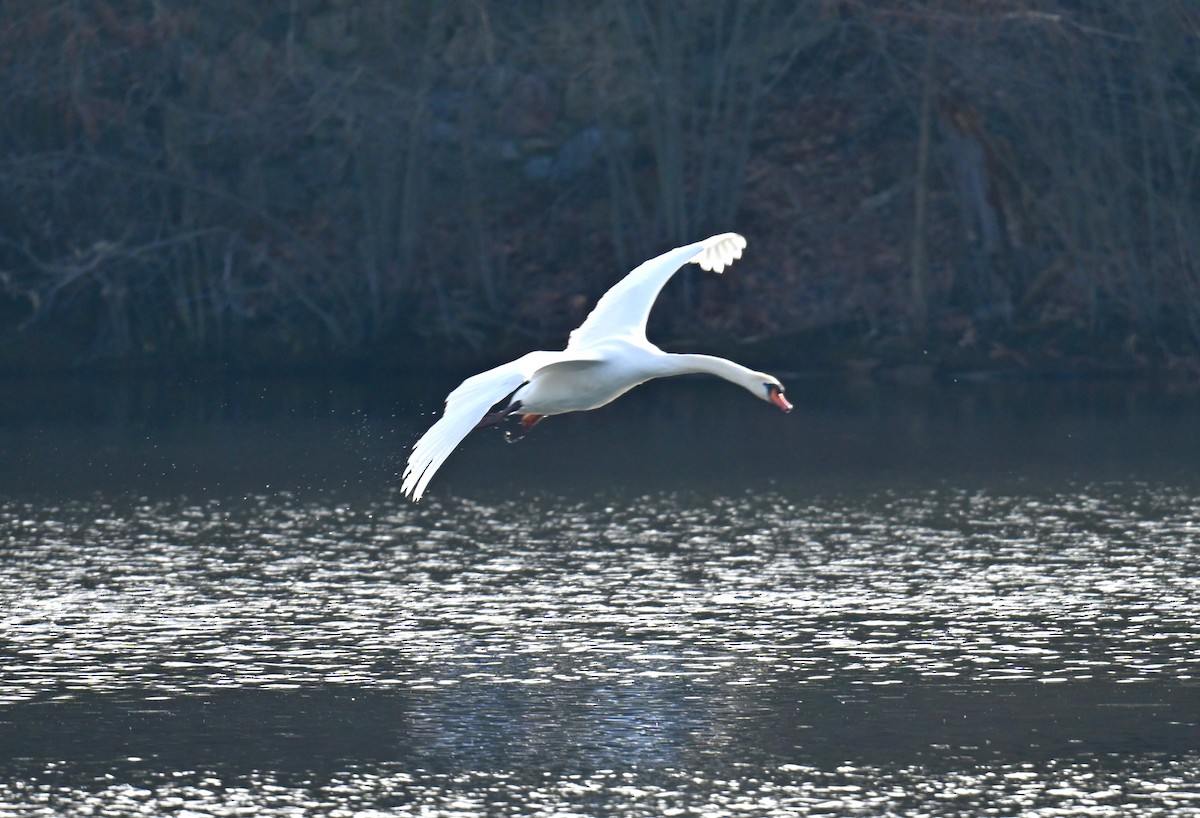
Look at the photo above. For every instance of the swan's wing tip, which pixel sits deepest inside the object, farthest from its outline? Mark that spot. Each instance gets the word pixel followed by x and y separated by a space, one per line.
pixel 720 251
pixel 408 485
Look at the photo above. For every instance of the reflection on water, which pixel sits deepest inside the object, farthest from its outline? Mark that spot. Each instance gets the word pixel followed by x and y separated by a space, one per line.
pixel 1007 622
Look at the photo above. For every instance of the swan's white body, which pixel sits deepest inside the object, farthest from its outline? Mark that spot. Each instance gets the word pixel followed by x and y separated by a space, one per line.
pixel 606 356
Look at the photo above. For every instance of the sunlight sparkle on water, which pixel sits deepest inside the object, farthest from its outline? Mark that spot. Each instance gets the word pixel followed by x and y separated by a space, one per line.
pixel 870 653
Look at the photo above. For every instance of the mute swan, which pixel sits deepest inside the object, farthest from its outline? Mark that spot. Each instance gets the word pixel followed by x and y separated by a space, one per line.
pixel 606 356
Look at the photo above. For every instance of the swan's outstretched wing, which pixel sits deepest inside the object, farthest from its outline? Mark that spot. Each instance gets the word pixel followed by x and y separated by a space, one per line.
pixel 625 308
pixel 465 407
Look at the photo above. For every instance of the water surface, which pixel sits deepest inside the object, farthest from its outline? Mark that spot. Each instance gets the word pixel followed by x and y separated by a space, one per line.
pixel 213 601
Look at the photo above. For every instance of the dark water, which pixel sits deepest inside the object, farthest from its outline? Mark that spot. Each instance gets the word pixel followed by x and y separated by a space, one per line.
pixel 962 600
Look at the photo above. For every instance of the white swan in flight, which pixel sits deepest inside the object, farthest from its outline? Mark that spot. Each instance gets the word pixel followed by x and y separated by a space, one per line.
pixel 606 356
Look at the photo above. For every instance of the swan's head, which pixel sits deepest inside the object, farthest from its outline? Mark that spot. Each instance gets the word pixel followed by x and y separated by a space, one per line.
pixel 772 391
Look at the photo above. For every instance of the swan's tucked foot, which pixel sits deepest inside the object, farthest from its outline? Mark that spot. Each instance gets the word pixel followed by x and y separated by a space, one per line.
pixel 497 417
pixel 529 421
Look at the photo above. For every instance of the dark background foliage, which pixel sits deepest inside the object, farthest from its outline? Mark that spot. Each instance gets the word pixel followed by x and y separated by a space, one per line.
pixel 412 182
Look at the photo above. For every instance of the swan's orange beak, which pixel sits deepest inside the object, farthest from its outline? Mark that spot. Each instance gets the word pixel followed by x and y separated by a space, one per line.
pixel 777 398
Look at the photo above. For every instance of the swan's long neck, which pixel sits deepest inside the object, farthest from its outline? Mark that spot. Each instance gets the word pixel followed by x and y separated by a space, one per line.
pixel 683 364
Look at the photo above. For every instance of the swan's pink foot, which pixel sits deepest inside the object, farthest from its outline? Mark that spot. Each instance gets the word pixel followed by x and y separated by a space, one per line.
pixel 528 421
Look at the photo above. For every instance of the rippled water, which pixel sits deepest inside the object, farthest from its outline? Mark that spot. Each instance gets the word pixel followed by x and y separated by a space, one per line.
pixel 974 602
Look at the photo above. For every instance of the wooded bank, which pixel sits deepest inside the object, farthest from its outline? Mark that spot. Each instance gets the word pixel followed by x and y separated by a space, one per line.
pixel 1011 183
